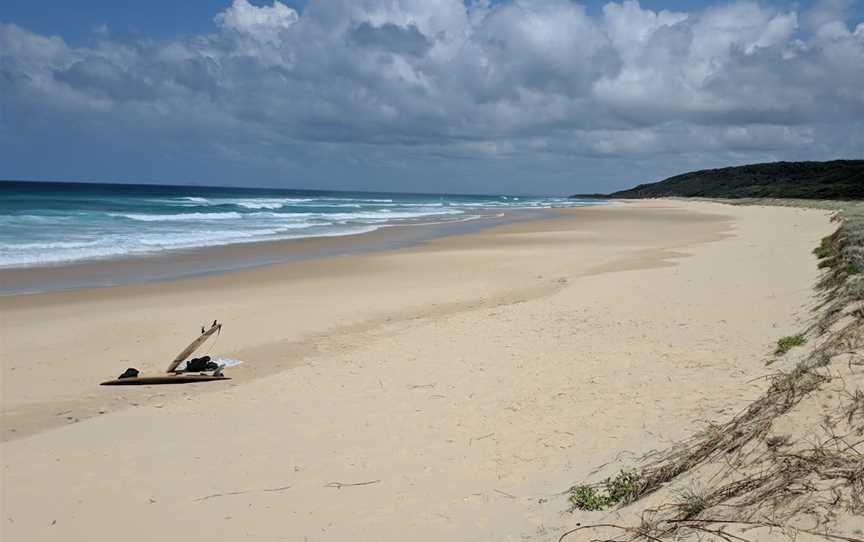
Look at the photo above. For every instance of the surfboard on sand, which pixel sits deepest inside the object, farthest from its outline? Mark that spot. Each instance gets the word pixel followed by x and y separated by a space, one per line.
pixel 193 346
pixel 179 378
pixel 172 376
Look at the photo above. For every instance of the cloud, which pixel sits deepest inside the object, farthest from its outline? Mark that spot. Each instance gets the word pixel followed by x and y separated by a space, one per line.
pixel 262 24
pixel 825 12
pixel 375 87
pixel 400 40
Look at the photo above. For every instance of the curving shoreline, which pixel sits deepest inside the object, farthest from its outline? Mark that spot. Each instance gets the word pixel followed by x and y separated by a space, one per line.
pixel 473 377
pixel 220 259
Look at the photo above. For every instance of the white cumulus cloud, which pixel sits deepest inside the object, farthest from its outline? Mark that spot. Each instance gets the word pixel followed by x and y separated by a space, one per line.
pixel 537 93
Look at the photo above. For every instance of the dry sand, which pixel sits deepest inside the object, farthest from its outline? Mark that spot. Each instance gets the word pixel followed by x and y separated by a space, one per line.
pixel 462 384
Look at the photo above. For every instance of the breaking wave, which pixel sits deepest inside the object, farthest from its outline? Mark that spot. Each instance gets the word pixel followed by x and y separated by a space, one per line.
pixel 94 222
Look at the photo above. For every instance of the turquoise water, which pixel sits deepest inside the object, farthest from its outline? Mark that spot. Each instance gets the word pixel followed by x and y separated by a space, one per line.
pixel 56 223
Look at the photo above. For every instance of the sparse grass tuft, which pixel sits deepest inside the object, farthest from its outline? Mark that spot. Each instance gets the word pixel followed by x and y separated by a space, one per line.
pixel 855 406
pixel 823 360
pixel 691 502
pixel 788 343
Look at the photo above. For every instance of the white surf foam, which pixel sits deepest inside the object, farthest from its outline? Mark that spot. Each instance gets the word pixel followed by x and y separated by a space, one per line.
pixel 177 217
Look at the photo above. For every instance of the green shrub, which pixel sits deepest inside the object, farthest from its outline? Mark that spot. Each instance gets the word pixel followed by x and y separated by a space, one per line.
pixel 587 498
pixel 787 343
pixel 824 250
pixel 620 489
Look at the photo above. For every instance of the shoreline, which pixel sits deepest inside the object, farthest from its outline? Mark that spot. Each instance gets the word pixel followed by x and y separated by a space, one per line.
pixel 178 264
pixel 468 380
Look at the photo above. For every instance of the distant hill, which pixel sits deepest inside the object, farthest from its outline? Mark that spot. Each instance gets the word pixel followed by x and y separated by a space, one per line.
pixel 838 180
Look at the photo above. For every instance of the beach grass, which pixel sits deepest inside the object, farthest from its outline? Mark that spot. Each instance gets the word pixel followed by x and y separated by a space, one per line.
pixel 692 501
pixel 759 478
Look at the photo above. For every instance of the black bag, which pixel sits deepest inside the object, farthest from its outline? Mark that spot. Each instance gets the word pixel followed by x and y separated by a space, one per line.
pixel 196 365
pixel 129 373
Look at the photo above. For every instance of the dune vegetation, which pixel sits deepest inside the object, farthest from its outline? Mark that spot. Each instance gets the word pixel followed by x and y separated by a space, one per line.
pixel 834 180
pixel 792 462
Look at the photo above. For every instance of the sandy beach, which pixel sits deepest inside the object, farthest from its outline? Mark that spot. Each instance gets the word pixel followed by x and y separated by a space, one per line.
pixel 448 391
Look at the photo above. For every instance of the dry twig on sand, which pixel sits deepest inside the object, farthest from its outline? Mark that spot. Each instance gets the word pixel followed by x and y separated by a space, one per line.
pixel 231 493
pixel 340 485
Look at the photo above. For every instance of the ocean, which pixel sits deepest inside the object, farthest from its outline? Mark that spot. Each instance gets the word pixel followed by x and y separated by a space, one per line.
pixel 46 224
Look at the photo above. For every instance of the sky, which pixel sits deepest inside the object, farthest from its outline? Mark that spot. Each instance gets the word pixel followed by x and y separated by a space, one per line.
pixel 515 96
